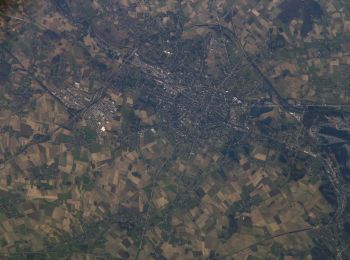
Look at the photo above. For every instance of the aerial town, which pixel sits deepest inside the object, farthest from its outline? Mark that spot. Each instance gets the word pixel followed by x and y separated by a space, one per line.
pixel 202 129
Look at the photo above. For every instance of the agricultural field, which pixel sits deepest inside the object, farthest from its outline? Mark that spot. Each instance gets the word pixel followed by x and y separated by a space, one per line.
pixel 171 129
